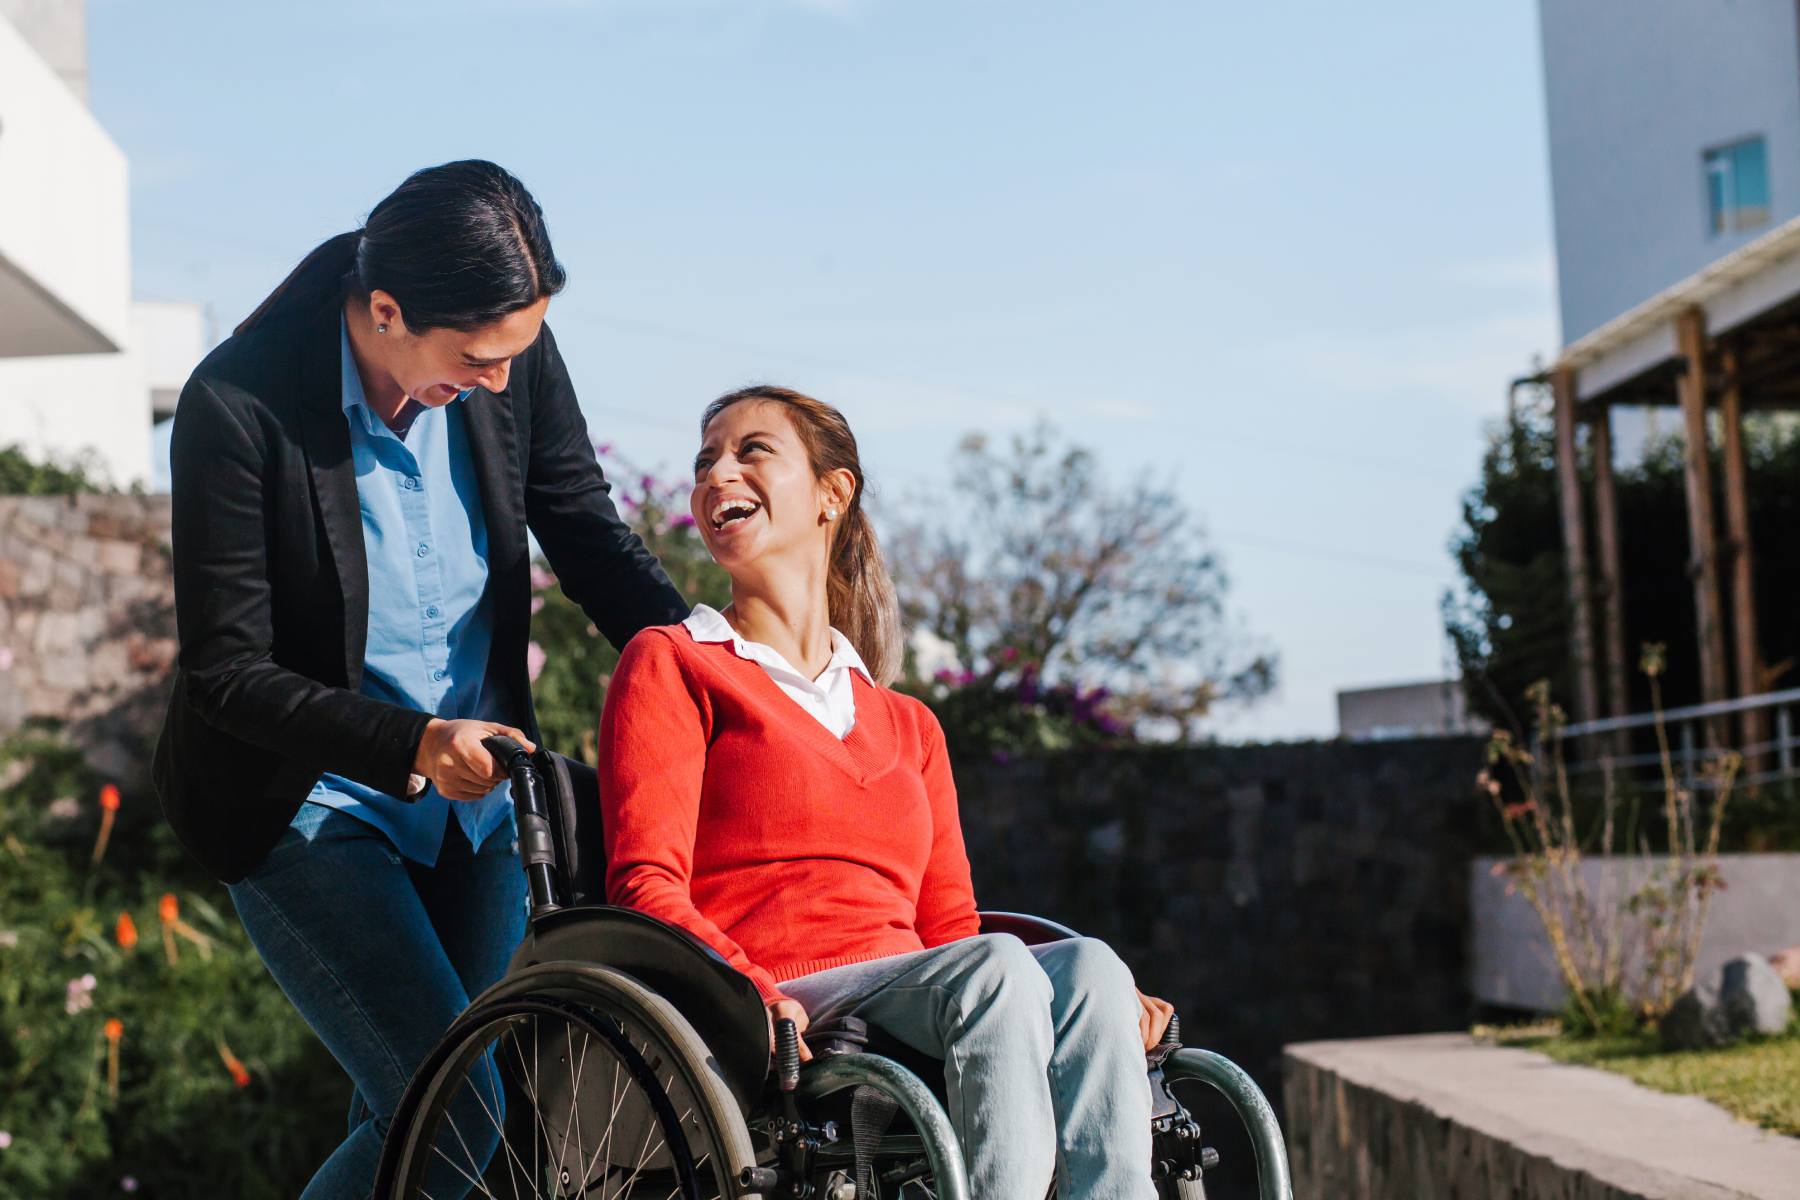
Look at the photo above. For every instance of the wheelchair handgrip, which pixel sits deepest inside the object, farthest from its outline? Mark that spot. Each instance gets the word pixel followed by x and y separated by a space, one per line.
pixel 506 751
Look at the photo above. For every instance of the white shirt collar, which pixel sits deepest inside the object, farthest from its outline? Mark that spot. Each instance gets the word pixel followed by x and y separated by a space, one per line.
pixel 707 624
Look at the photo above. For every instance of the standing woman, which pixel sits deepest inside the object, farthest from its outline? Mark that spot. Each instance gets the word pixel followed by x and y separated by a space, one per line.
pixel 354 472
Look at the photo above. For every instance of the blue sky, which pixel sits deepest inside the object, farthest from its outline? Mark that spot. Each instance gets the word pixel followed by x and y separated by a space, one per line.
pixel 1285 255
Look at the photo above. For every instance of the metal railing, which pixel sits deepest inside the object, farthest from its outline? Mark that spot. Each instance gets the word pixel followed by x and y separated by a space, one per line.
pixel 1697 734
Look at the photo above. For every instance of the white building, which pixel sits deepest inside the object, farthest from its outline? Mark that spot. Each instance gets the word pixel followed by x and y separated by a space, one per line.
pixel 1674 132
pixel 83 369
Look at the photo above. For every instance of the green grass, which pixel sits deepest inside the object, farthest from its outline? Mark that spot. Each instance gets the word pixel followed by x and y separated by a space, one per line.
pixel 1756 1081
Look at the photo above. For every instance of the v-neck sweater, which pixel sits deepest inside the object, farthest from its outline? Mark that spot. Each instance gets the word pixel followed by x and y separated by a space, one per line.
pixel 729 811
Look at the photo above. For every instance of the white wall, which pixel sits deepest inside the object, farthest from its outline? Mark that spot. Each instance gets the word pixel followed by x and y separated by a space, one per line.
pixel 81 366
pixel 65 255
pixel 1510 964
pixel 1635 93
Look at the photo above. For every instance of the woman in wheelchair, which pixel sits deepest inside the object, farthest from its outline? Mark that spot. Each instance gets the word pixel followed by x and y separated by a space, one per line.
pixel 764 789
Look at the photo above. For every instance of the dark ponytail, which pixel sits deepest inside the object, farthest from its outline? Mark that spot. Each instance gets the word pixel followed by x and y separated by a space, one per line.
pixel 457 246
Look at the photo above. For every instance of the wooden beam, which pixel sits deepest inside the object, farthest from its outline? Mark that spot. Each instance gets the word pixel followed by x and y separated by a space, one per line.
pixel 1575 558
pixel 1611 573
pixel 1703 553
pixel 1737 526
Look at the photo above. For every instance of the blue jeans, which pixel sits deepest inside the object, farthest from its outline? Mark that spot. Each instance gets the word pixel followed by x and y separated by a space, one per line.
pixel 1043 1062
pixel 380 955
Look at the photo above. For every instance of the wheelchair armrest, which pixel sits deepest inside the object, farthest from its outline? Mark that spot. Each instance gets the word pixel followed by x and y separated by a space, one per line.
pixel 1033 931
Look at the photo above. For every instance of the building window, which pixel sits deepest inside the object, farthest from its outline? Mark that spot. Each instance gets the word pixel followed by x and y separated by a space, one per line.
pixel 1737 186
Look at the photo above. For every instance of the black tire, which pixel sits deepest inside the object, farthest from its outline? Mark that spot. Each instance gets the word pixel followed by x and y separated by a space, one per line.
pixel 605 1089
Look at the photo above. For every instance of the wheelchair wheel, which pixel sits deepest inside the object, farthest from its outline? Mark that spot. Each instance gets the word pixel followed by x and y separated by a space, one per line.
pixel 567 1081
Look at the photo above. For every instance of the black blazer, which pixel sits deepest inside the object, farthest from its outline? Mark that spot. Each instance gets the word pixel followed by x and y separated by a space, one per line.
pixel 271 578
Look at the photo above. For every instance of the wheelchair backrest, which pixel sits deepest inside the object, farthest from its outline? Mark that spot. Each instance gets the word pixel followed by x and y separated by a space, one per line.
pixel 572 795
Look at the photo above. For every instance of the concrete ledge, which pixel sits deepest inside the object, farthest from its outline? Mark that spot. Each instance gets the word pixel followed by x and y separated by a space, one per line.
pixel 1444 1115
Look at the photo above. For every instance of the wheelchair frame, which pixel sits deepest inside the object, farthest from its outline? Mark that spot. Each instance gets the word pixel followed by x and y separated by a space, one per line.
pixel 571 939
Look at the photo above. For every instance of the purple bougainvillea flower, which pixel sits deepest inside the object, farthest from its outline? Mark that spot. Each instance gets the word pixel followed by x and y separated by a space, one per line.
pixel 534 660
pixel 684 521
pixel 128 1183
pixel 540 578
pixel 1008 653
pixel 5 1140
pixel 537 605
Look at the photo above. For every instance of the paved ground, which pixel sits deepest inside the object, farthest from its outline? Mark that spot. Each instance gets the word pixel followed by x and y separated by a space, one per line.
pixel 1600 1132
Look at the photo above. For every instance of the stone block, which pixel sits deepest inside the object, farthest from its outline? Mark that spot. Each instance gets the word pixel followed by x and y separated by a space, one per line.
pixel 1754 996
pixel 58 633
pixel 121 558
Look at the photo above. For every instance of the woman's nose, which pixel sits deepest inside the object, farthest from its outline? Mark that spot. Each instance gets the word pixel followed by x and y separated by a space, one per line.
pixel 494 378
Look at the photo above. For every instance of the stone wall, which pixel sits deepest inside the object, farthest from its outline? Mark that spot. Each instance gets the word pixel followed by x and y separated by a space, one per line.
pixel 1272 893
pixel 87 622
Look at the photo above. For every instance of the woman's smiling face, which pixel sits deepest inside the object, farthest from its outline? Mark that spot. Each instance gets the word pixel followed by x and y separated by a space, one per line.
pixel 755 492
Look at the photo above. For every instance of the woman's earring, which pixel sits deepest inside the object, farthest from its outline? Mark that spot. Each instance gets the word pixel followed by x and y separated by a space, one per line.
pixel 831 514
pixel 381 329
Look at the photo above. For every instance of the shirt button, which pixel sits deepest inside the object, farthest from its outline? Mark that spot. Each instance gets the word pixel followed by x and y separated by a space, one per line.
pixel 438 676
pixel 412 484
pixel 431 611
pixel 424 549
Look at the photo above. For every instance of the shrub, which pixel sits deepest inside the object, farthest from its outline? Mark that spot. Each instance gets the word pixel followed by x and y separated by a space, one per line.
pixel 82 945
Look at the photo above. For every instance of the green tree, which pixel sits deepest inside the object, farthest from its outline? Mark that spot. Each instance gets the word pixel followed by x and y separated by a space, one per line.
pixel 1509 622
pixel 571 663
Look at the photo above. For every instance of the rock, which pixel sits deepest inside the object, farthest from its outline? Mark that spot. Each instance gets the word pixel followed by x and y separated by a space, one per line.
pixel 1787 965
pixel 1697 1020
pixel 1755 997
pixel 1743 996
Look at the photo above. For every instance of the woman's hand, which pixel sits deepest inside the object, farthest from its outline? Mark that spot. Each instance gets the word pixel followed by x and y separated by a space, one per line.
pixel 775 1010
pixel 1153 1019
pixel 452 757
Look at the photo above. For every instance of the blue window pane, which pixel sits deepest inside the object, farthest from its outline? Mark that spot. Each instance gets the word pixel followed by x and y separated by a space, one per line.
pixel 1737 186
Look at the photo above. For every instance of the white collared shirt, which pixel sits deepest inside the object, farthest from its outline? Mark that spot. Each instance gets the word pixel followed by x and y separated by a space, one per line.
pixel 831 698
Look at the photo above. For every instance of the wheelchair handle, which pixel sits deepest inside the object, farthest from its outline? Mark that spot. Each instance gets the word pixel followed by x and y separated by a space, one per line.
pixel 537 845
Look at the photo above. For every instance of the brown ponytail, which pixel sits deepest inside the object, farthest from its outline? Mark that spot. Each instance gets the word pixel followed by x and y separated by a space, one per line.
pixel 859 592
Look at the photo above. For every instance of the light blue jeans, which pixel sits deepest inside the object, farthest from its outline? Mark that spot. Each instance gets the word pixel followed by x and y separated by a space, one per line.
pixel 1043 1062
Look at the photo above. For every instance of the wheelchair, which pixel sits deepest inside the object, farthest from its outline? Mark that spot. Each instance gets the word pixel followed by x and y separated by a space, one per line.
pixel 621 1057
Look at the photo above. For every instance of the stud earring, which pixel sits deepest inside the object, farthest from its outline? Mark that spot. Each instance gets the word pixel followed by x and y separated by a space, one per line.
pixel 381 329
pixel 831 514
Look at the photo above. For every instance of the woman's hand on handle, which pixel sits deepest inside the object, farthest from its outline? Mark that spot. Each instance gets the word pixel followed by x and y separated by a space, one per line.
pixel 795 1012
pixel 452 757
pixel 1153 1019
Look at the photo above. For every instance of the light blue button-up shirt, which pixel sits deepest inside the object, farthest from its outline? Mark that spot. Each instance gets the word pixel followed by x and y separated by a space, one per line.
pixel 430 625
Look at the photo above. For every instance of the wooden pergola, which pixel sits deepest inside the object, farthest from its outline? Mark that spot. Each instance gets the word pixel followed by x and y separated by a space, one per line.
pixel 1727 337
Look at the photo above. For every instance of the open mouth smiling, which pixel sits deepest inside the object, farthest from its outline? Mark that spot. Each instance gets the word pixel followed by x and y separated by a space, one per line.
pixel 733 511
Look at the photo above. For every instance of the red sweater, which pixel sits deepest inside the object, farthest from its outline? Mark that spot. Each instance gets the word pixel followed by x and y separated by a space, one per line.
pixel 732 812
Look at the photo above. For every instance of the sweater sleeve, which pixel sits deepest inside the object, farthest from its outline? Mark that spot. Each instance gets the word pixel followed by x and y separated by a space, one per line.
pixel 653 738
pixel 946 909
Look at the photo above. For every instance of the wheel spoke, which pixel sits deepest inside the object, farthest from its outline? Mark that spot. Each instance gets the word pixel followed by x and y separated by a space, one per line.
pixel 528 1081
pixel 500 1126
pixel 612 1119
pixel 474 1182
